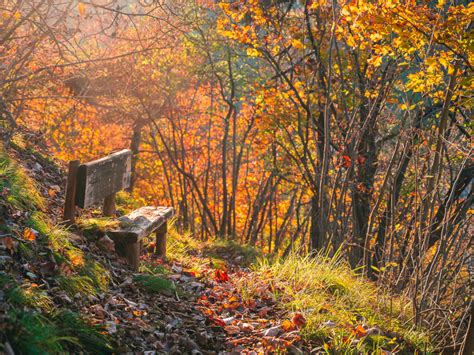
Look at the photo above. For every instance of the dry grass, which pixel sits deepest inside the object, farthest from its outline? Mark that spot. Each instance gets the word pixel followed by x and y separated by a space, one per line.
pixel 334 300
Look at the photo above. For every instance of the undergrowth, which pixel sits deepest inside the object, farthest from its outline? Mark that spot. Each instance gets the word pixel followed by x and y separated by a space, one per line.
pixel 154 284
pixel 334 301
pixel 18 189
pixel 243 254
pixel 33 324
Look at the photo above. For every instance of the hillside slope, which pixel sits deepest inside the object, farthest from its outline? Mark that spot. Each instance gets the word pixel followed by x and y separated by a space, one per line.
pixel 65 290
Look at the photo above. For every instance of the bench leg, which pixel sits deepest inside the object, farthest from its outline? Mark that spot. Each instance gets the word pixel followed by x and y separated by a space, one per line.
pixel 161 240
pixel 132 254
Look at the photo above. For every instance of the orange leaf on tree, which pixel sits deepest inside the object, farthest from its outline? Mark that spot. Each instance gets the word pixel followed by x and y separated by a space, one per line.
pixel 346 161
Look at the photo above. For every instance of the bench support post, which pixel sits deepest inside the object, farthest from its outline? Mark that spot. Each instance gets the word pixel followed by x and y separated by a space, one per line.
pixel 131 252
pixel 161 240
pixel 70 203
pixel 109 206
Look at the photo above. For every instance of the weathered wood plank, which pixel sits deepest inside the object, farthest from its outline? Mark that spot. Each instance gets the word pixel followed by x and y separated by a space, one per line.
pixel 161 240
pixel 109 206
pixel 141 223
pixel 101 178
pixel 69 203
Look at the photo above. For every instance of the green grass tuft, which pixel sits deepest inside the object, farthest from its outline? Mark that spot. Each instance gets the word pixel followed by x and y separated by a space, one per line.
pixel 99 276
pixel 25 295
pixel 21 191
pixel 75 284
pixel 32 333
pixel 89 338
pixel 62 332
pixel 154 284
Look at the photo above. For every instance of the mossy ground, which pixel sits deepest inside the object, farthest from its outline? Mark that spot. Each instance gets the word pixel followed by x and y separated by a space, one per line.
pixel 31 322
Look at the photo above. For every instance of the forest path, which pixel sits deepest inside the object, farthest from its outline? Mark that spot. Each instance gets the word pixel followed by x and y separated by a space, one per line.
pixel 201 311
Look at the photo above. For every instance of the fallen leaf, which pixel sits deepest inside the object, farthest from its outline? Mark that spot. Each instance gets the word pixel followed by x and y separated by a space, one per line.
pixel 264 312
pixel 221 276
pixel 272 332
pixel 228 320
pixel 10 243
pixel 288 326
pixel 106 244
pixel 299 320
pixel 233 305
pixel 360 331
pixel 247 327
pixel 29 234
pixel 232 329
pixel 346 161
pixel 216 321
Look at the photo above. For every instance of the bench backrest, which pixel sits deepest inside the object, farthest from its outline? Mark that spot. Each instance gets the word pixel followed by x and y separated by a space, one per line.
pixel 103 177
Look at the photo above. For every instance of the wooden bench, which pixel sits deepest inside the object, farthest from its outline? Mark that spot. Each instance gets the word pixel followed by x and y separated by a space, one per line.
pixel 100 180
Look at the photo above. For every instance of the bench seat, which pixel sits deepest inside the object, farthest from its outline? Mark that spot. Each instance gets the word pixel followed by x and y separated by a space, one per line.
pixel 137 225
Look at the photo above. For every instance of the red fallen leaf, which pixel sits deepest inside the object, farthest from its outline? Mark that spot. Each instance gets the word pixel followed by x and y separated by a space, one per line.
pixel 299 320
pixel 360 331
pixel 202 299
pixel 216 321
pixel 221 276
